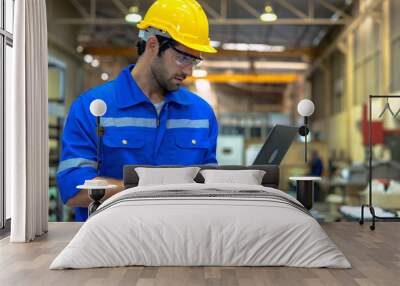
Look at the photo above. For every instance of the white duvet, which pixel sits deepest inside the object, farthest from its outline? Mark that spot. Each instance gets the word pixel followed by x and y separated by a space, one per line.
pixel 185 230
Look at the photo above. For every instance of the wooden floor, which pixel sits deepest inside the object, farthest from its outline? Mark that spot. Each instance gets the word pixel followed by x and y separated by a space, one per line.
pixel 374 255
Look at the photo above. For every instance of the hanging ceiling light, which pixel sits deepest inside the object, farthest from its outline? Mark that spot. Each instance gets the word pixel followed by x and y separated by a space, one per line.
pixel 105 76
pixel 88 59
pixel 268 15
pixel 199 73
pixel 133 15
pixel 95 63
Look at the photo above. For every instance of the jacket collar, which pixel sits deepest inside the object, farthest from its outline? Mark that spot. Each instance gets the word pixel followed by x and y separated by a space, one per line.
pixel 128 93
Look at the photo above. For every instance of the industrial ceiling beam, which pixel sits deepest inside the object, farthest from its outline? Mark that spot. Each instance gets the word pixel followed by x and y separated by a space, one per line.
pixel 120 6
pixel 79 8
pixel 271 89
pixel 331 7
pixel 354 23
pixel 248 8
pixel 224 8
pixel 291 8
pixel 132 52
pixel 218 18
pixel 279 21
pixel 93 9
pixel 216 21
pixel 311 8
pixel 210 10
pixel 248 78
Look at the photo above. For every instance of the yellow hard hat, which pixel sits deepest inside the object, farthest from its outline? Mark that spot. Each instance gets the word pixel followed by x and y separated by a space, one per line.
pixel 184 20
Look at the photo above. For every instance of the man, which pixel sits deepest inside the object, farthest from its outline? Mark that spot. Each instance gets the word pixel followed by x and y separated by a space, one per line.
pixel 316 165
pixel 316 170
pixel 150 119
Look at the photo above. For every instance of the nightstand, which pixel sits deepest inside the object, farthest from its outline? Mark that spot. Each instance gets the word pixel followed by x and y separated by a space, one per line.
pixel 305 189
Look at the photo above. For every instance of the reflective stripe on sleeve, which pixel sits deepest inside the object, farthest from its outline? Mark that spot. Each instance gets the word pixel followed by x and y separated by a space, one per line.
pixel 76 163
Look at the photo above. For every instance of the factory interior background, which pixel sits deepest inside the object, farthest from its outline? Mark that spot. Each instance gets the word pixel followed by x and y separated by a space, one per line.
pixel 333 52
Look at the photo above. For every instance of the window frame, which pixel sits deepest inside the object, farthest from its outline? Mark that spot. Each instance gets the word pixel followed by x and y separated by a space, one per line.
pixel 6 39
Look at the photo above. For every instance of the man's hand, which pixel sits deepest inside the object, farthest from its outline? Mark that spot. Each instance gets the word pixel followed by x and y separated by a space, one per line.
pixel 82 200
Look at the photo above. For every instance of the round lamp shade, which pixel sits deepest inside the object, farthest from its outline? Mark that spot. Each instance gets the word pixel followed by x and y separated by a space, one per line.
pixel 98 107
pixel 305 107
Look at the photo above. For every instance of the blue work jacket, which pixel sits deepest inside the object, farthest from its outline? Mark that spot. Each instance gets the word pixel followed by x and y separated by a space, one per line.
pixel 185 133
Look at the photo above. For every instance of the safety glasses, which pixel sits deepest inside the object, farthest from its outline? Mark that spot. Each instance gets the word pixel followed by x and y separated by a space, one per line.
pixel 185 59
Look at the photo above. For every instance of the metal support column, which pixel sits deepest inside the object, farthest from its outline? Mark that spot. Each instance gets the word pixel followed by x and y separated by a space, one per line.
pixel 349 93
pixel 385 42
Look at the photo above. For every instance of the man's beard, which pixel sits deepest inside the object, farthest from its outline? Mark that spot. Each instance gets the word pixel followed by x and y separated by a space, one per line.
pixel 162 78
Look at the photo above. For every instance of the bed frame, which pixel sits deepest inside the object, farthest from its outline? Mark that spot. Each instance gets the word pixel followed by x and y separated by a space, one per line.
pixel 270 179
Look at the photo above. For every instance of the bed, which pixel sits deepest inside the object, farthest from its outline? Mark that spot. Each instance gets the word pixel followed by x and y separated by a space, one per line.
pixel 201 224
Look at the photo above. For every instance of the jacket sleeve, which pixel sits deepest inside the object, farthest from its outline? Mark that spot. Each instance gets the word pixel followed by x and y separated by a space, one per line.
pixel 211 157
pixel 78 156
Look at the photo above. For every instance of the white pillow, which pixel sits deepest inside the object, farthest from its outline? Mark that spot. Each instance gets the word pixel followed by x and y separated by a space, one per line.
pixel 249 177
pixel 166 176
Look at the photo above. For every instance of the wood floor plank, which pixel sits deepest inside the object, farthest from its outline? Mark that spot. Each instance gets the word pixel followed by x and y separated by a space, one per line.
pixel 374 255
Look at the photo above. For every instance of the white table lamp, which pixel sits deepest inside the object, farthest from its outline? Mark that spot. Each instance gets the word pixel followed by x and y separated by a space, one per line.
pixel 305 108
pixel 98 108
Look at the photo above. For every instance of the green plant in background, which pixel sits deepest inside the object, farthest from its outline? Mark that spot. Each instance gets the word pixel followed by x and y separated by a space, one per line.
pixel 58 211
pixel 53 197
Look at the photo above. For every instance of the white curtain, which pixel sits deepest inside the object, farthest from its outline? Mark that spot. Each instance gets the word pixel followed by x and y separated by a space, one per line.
pixel 26 124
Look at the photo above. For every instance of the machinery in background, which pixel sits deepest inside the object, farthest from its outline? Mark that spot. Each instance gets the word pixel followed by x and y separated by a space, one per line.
pixel 380 136
pixel 56 116
pixel 230 150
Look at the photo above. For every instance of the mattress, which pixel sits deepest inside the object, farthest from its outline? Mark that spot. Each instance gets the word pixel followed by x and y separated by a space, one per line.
pixel 201 225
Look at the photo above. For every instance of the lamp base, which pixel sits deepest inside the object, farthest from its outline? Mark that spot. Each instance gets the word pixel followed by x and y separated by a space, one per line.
pixel 96 196
pixel 305 193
